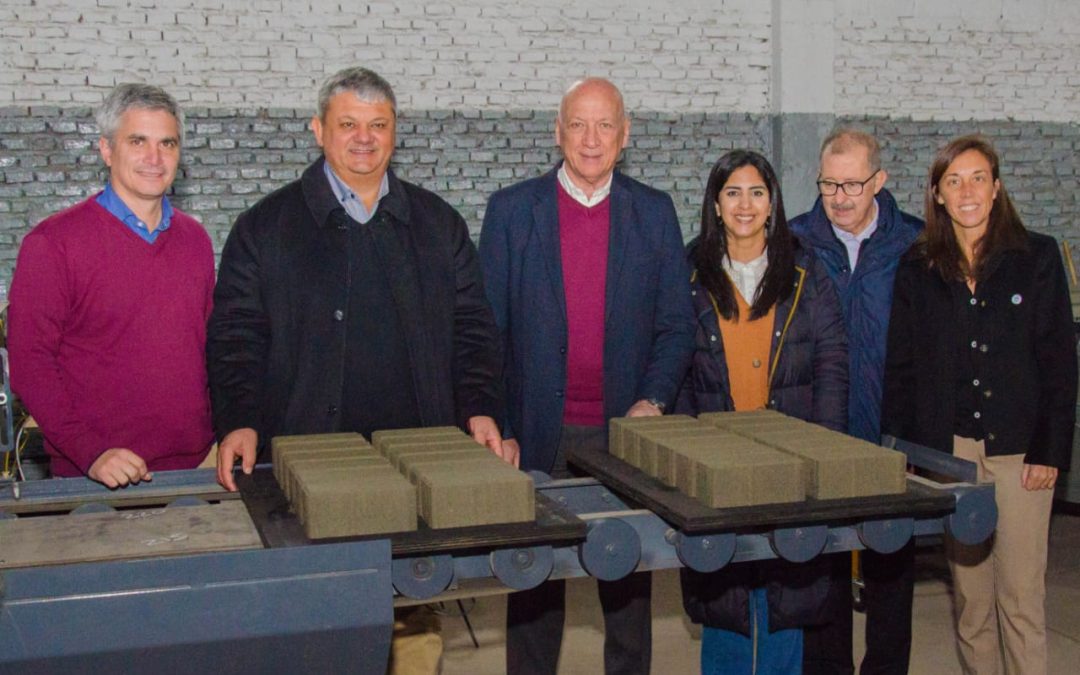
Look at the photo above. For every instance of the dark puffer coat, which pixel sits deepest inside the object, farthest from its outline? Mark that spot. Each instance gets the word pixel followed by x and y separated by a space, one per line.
pixel 808 379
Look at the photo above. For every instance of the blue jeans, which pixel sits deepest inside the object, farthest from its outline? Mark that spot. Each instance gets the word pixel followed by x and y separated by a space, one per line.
pixel 725 652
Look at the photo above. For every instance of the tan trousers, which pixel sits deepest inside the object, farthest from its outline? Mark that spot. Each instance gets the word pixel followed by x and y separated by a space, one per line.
pixel 1000 585
pixel 416 646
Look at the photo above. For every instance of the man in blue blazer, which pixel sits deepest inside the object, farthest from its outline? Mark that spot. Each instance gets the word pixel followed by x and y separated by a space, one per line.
pixel 585 270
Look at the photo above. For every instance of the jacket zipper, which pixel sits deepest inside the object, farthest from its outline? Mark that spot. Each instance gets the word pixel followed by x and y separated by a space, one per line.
pixel 787 324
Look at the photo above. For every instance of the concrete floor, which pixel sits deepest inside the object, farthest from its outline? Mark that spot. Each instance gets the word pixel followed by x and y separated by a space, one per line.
pixel 676 642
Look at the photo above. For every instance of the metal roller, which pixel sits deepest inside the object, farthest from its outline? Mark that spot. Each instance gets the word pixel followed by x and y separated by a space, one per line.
pixel 612 549
pixel 422 577
pixel 886 536
pixel 799 544
pixel 976 514
pixel 522 568
pixel 705 552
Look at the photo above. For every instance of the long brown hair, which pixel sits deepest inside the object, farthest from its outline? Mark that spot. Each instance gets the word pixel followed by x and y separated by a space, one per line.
pixel 1004 231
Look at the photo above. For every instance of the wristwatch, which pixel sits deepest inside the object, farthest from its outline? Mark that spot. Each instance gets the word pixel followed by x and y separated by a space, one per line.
pixel 656 402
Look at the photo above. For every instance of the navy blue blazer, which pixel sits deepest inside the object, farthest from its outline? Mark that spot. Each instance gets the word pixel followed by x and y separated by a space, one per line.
pixel 648 319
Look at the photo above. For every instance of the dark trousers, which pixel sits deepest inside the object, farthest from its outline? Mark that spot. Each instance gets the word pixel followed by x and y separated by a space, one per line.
pixel 889 586
pixel 534 618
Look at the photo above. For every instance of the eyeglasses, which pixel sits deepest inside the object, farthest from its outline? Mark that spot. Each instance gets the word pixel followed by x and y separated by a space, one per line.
pixel 852 188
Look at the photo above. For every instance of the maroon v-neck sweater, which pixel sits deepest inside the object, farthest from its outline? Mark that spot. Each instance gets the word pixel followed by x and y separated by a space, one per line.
pixel 583 240
pixel 107 338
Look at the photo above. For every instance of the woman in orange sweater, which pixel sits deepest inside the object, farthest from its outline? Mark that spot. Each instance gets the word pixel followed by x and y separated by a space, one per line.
pixel 770 335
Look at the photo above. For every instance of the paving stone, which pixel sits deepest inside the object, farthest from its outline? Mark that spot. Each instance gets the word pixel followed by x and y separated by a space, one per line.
pixel 398 453
pixel 837 465
pixel 307 463
pixel 410 464
pixel 280 444
pixel 344 502
pixel 653 455
pixel 381 439
pixel 462 495
pixel 667 448
pixel 747 476
pixel 618 425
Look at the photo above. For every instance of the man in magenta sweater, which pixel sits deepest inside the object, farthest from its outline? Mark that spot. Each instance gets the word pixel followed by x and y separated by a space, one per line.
pixel 585 270
pixel 109 303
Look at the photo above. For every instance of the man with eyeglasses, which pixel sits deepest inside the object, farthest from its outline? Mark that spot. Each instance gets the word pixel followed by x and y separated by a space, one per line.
pixel 859 233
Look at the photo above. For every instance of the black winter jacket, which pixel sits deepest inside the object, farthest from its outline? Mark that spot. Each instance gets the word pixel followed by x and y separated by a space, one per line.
pixel 809 380
pixel 276 339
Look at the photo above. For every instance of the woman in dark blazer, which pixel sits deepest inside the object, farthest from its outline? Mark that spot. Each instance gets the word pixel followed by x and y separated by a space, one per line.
pixel 981 362
pixel 770 334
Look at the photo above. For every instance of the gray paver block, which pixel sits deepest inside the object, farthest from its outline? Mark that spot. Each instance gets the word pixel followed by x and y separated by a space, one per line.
pixel 299 464
pixel 455 498
pixel 353 502
pixel 618 425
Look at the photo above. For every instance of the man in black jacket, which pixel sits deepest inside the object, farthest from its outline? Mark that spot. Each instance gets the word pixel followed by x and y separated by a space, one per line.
pixel 349 300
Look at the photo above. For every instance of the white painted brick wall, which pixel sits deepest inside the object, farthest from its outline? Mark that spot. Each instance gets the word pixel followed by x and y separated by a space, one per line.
pixel 959 59
pixel 679 55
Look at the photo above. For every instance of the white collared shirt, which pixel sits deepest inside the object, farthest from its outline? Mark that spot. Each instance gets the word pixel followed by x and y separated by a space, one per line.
pixel 852 242
pixel 578 195
pixel 747 276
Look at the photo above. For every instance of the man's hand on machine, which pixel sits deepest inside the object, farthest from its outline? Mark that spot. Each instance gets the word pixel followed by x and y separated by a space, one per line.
pixel 119 467
pixel 485 432
pixel 237 444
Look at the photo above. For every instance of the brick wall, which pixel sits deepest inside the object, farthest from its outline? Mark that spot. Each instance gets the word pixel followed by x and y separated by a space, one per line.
pixel 686 55
pixel 1040 165
pixel 478 81
pixel 49 159
pixel 957 60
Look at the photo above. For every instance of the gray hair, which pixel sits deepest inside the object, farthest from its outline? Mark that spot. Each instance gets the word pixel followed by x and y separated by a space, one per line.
pixel 844 139
pixel 367 85
pixel 141 96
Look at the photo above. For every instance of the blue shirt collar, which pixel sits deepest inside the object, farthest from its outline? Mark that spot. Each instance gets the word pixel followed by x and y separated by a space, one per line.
pixel 354 206
pixel 853 242
pixel 112 203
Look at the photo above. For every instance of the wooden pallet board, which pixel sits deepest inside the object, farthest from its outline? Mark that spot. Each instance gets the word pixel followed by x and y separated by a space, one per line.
pixel 691 516
pixel 123 535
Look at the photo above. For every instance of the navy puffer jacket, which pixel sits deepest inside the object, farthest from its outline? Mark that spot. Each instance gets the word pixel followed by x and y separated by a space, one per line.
pixel 865 298
pixel 809 380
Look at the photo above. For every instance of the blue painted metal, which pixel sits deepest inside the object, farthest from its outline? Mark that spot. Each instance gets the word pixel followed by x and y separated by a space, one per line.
pixel 706 552
pixel 799 544
pixel 611 550
pixel 539 477
pixel 423 577
pixel 522 568
pixel 933 460
pixel 305 610
pixel 92 507
pixel 187 501
pixel 252 606
pixel 886 536
pixel 976 514
pixel 583 495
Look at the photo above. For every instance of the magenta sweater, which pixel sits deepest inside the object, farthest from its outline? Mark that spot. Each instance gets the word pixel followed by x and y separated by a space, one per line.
pixel 583 240
pixel 107 338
